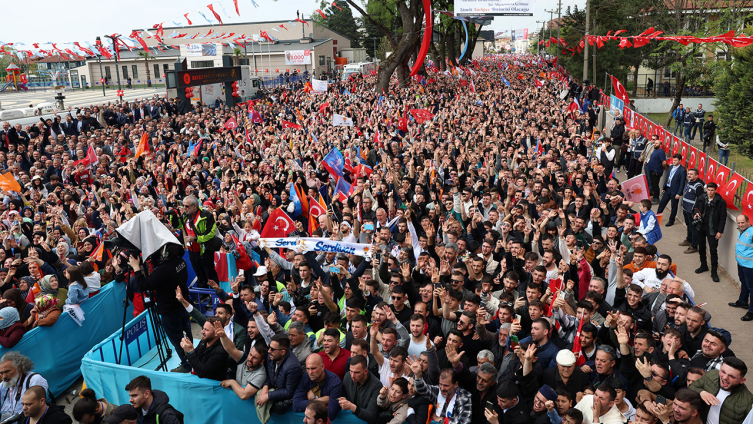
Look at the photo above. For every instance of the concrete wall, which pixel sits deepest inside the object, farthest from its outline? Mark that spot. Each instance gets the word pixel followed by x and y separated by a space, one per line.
pixel 663 105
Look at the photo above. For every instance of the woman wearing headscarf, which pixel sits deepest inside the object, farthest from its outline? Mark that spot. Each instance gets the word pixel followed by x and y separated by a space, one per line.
pixel 45 312
pixel 11 328
pixel 12 299
pixel 25 284
pixel 48 285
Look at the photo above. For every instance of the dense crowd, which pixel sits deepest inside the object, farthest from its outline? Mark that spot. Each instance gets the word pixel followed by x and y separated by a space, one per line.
pixel 507 279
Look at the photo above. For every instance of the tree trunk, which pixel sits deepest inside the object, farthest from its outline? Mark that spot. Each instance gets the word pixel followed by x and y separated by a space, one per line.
pixel 402 50
pixel 453 53
pixel 146 63
pixel 443 52
pixel 635 82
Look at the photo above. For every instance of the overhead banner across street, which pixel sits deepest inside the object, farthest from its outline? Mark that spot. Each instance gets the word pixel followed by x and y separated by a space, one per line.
pixel 494 8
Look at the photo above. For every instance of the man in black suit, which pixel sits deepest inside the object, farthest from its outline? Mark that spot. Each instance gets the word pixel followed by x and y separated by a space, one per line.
pixel 4 140
pixel 140 112
pixel 82 125
pixel 673 188
pixel 361 347
pixel 154 110
pixel 69 126
pixel 17 135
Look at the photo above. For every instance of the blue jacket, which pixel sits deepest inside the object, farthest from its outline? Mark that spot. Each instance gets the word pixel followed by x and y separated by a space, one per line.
pixel 285 381
pixel 546 352
pixel 679 114
pixel 655 161
pixel 76 294
pixel 744 248
pixel 655 234
pixel 331 386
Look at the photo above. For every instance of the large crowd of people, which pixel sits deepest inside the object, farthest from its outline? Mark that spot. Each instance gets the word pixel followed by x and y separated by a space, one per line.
pixel 507 279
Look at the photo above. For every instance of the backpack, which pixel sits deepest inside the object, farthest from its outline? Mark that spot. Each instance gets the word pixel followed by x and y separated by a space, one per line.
pixel 164 407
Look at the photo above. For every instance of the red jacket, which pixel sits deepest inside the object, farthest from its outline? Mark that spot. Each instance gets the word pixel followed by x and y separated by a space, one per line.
pixel 10 336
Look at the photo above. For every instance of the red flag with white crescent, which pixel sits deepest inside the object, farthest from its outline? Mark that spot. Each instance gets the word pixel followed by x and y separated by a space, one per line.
pixel 580 358
pixel 278 224
pixel 729 189
pixel 747 202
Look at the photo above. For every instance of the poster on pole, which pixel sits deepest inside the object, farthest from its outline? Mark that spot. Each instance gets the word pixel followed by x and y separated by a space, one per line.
pixel 298 57
pixel 493 8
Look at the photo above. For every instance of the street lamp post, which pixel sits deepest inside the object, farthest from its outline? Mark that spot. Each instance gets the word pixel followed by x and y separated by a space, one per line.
pixel 101 74
pixel 114 39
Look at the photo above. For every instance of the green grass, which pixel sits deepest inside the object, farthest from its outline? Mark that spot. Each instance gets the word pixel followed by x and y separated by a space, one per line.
pixel 740 161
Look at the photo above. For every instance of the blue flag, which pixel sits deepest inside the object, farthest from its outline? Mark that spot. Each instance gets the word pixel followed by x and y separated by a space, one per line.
pixel 507 83
pixel 334 162
pixel 296 201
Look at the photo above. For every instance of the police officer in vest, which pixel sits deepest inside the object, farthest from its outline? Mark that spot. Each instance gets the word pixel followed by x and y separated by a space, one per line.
pixel 744 256
pixel 693 190
pixel 201 240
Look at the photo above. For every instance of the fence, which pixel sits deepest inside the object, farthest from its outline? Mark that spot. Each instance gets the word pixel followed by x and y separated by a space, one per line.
pixel 644 88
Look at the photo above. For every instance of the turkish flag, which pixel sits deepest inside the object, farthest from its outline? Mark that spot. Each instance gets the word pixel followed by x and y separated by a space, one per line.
pixel 421 115
pixel 693 160
pixel 244 261
pixel 323 107
pixel 722 175
pixel 402 124
pixel 256 118
pixel 278 224
pixel 675 146
pixel 315 208
pixel 666 144
pixel 288 124
pixel 463 83
pixel 711 170
pixel 231 124
pixel 580 358
pixel 701 165
pixel 748 202
pixel 730 188
pixel 684 153
pixel 538 83
pixel 619 90
pixel 90 159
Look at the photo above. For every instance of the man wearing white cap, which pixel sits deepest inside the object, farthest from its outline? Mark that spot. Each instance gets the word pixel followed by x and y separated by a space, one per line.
pixel 565 374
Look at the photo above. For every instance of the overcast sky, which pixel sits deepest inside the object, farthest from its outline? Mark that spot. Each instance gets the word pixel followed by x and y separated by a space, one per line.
pixel 90 18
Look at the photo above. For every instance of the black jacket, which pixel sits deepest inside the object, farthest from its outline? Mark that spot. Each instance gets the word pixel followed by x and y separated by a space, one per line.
pixel 420 406
pixel 366 404
pixel 575 384
pixel 163 280
pixel 718 218
pixel 159 407
pixel 285 379
pixel 54 415
pixel 209 362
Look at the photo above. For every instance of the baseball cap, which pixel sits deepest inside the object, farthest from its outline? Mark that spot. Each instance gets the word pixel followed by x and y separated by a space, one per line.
pixel 122 413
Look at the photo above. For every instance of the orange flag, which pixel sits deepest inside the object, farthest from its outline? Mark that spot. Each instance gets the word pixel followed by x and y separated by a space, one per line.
pixel 8 183
pixel 143 146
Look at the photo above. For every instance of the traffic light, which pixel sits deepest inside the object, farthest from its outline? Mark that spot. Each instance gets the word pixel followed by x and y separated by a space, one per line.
pixel 235 89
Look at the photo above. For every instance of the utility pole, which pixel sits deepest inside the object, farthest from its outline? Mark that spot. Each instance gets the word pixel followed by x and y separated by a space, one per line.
pixel 538 39
pixel 551 13
pixel 585 46
pixel 559 25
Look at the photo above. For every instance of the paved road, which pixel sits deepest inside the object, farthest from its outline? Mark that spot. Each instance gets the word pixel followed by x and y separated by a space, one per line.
pixel 716 294
pixel 13 100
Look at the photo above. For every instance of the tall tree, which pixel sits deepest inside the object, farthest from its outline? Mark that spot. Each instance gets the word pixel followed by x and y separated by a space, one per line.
pixel 339 18
pixel 733 90
pixel 410 21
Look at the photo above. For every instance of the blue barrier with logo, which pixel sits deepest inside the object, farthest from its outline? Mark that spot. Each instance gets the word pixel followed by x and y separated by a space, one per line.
pixel 193 396
pixel 57 351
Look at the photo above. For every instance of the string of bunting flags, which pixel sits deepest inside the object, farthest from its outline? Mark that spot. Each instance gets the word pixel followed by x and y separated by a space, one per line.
pixel 213 15
pixel 645 37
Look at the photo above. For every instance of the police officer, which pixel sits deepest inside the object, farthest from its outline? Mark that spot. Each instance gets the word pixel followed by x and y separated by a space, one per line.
pixel 693 190
pixel 201 240
pixel 744 256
